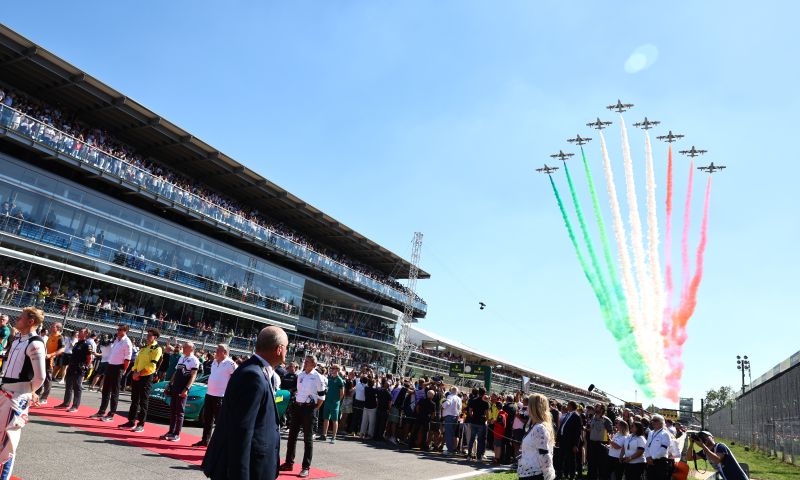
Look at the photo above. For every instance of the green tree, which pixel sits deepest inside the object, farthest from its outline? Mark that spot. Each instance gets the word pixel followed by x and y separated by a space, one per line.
pixel 716 399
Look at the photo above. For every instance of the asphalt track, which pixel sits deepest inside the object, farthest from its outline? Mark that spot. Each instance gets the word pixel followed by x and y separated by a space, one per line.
pixel 50 450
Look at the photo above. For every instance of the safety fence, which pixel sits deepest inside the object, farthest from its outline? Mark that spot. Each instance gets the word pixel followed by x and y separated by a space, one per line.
pixel 766 418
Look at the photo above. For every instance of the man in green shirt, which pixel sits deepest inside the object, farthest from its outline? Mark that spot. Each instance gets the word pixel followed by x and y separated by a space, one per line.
pixel 333 399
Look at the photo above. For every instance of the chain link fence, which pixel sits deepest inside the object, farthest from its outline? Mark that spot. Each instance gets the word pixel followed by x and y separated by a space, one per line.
pixel 766 418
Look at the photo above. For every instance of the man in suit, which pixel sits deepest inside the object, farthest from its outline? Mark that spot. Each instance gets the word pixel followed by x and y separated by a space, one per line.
pixel 245 445
pixel 569 439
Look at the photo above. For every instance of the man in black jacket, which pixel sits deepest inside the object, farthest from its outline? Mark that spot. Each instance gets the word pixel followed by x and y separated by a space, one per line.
pixel 245 445
pixel 568 437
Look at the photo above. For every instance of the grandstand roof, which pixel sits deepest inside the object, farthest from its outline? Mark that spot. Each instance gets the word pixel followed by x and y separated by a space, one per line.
pixel 420 336
pixel 40 73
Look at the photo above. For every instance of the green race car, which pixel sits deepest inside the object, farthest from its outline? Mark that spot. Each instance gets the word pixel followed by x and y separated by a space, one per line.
pixel 159 404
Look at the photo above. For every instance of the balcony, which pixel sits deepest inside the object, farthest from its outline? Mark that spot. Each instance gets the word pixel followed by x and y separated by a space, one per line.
pixel 15 124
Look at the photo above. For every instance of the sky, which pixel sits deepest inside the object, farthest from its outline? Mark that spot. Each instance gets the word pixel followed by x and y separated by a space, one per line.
pixel 396 117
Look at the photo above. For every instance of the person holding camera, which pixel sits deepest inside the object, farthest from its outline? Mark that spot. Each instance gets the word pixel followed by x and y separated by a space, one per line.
pixel 79 363
pixel 718 454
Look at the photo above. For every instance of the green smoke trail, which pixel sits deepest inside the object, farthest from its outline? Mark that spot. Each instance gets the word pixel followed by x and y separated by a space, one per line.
pixel 606 301
pixel 581 259
pixel 619 328
pixel 627 346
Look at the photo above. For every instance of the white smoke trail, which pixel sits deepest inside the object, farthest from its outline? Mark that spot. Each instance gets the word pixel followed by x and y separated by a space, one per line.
pixel 640 266
pixel 628 284
pixel 657 284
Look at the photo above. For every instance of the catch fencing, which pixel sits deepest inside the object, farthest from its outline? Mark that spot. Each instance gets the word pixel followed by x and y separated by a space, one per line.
pixel 767 417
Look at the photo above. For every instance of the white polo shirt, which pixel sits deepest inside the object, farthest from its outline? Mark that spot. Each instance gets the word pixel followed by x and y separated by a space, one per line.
pixel 121 350
pixel 451 406
pixel 308 386
pixel 658 443
pixel 220 375
pixel 632 444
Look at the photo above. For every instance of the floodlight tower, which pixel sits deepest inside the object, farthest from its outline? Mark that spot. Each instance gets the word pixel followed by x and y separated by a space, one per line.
pixel 404 347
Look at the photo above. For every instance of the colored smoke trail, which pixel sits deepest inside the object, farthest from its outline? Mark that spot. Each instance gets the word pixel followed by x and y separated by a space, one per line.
pixel 654 353
pixel 685 237
pixel 619 330
pixel 667 321
pixel 652 238
pixel 585 266
pixel 686 310
pixel 602 293
pixel 641 369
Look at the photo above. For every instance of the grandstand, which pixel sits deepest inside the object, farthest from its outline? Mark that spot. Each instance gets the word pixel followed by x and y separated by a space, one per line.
pixel 434 354
pixel 110 213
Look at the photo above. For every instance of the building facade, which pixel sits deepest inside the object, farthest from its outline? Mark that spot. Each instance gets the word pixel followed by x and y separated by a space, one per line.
pixel 110 214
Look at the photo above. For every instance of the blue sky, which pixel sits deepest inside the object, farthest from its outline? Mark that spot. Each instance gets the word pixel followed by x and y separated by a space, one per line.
pixel 402 116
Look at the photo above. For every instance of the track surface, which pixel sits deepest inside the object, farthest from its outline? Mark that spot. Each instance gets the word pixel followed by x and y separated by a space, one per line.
pixel 49 450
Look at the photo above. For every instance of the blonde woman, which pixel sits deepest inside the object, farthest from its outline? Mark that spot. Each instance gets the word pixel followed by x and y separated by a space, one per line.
pixel 536 459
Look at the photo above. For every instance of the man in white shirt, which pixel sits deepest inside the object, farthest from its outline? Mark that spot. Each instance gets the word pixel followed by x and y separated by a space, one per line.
pixel 451 409
pixel 307 400
pixel 221 370
pixel 118 360
pixel 657 449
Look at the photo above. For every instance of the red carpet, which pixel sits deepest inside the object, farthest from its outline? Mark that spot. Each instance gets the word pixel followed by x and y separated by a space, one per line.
pixel 181 450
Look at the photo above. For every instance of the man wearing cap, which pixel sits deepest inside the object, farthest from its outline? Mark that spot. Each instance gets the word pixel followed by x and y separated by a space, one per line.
pixel 720 456
pixel 659 466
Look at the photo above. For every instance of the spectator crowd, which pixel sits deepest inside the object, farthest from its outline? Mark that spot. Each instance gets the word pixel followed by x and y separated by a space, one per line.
pixel 62 130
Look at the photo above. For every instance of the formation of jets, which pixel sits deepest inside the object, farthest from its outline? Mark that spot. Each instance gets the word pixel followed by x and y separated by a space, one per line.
pixel 712 168
pixel 645 124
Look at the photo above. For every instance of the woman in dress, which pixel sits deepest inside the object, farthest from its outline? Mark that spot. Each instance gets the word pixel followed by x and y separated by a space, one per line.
pixel 536 459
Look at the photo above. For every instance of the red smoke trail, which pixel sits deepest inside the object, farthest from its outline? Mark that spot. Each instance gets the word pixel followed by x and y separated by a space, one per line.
pixel 681 317
pixel 667 321
pixel 685 237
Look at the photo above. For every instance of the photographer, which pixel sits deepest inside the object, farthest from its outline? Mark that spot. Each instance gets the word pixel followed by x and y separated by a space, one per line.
pixel 718 454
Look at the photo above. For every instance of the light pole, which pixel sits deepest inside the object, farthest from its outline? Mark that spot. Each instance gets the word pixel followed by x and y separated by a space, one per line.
pixel 743 364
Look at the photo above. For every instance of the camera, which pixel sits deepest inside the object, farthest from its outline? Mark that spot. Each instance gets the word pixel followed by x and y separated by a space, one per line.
pixel 696 436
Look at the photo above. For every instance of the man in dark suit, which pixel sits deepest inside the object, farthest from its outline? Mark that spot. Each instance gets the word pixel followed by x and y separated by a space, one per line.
pixel 569 439
pixel 245 445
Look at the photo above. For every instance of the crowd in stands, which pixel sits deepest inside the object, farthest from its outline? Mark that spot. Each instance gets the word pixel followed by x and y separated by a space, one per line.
pixel 61 129
pixel 12 219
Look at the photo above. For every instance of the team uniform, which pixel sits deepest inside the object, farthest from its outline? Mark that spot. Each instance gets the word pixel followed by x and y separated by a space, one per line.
pixel 657 450
pixel 308 387
pixel 77 368
pixel 217 384
pixel 53 344
pixel 145 364
pixel 180 381
pixel 23 373
pixel 120 352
